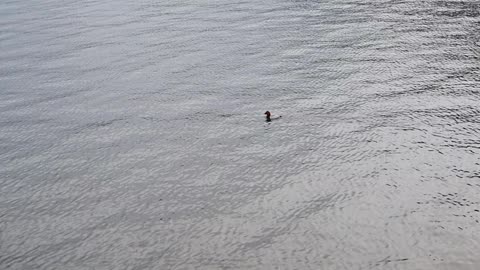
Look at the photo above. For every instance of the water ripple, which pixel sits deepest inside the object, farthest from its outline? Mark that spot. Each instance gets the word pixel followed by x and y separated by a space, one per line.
pixel 132 134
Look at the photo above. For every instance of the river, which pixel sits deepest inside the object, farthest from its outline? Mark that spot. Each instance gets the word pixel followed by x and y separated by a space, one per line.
pixel 133 135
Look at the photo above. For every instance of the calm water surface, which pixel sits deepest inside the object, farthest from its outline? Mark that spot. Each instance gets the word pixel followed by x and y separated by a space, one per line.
pixel 132 134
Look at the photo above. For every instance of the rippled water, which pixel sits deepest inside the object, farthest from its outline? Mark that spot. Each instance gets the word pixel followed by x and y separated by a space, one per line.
pixel 132 134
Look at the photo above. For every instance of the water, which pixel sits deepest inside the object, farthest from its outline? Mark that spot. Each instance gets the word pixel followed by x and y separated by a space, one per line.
pixel 132 134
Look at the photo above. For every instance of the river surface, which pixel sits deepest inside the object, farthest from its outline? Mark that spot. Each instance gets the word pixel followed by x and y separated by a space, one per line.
pixel 132 134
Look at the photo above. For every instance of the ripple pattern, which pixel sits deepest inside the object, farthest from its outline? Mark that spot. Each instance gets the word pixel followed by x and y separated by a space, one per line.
pixel 132 134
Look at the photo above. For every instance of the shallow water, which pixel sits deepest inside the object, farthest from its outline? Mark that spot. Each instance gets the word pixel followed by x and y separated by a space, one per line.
pixel 132 134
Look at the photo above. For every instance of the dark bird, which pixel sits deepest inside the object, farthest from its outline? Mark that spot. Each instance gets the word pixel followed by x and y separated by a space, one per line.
pixel 268 116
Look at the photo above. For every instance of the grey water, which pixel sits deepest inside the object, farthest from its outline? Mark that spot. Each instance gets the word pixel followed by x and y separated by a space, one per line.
pixel 133 136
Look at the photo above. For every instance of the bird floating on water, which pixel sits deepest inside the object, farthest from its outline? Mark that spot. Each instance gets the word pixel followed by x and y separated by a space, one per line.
pixel 268 116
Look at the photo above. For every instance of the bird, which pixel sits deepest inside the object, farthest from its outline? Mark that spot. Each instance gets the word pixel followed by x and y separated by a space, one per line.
pixel 268 116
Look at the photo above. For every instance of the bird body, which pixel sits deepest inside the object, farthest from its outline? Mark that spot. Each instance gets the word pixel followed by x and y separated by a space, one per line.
pixel 269 118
